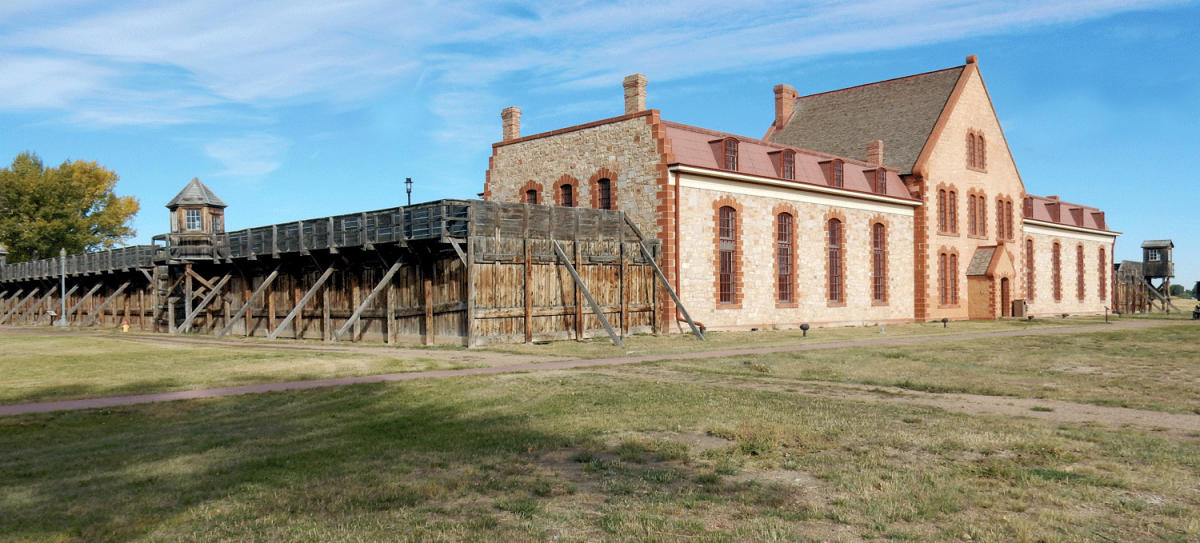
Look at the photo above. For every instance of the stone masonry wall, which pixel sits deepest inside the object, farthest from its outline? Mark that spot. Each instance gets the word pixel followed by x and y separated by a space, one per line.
pixel 1043 303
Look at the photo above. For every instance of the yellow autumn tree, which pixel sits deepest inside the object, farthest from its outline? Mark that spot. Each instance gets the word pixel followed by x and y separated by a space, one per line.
pixel 71 206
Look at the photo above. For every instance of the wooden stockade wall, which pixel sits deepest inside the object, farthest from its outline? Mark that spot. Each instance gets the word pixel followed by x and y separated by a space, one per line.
pixel 463 272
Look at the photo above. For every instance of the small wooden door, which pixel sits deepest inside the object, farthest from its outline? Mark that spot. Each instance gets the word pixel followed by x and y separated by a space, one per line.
pixel 1005 298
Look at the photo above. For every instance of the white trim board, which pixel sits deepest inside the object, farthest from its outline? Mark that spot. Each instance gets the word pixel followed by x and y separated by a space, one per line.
pixel 793 193
pixel 1037 228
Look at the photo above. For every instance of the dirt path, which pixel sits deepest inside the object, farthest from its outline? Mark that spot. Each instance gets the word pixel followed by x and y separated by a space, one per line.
pixel 526 366
pixel 1179 424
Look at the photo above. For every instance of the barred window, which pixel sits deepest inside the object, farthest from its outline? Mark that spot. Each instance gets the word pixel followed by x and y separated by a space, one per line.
pixel 1056 270
pixel 731 154
pixel 785 284
pixel 878 263
pixel 604 194
pixel 1029 270
pixel 837 175
pixel 568 195
pixel 834 248
pixel 943 212
pixel 727 245
pixel 1080 289
pixel 1102 274
pixel 531 196
pixel 788 166
pixel 953 213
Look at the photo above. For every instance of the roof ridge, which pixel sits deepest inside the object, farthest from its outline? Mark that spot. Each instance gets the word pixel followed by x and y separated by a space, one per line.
pixel 873 83
pixel 772 144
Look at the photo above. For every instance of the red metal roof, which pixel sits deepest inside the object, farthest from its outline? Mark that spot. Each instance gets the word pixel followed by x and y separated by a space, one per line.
pixel 1053 210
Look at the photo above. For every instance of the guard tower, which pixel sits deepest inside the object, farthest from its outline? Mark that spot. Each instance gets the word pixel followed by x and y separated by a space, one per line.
pixel 3 255
pixel 197 220
pixel 1157 263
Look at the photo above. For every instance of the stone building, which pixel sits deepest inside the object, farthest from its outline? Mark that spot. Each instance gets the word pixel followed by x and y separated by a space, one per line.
pixel 886 202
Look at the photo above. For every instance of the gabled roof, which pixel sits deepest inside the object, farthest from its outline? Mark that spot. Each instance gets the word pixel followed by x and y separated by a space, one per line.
pixel 196 193
pixel 1158 244
pixel 695 146
pixel 981 261
pixel 902 112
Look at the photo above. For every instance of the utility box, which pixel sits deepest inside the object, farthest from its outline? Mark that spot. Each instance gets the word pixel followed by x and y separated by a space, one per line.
pixel 1018 309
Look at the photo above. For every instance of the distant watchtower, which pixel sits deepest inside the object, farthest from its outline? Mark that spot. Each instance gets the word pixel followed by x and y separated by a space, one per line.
pixel 3 255
pixel 1157 263
pixel 197 217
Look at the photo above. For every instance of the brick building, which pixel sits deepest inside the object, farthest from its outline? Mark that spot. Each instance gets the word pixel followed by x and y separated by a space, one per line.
pixel 887 202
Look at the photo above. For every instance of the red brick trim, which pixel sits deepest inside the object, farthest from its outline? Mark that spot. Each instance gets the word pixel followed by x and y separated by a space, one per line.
pixel 1056 269
pixel 951 209
pixel 775 212
pixel 487 178
pixel 531 185
pixel 843 253
pixel 665 213
pixel 953 266
pixel 887 232
pixel 738 269
pixel 594 187
pixel 565 179
pixel 916 186
pixel 1102 276
pixel 980 213
pixel 1080 275
pixel 980 162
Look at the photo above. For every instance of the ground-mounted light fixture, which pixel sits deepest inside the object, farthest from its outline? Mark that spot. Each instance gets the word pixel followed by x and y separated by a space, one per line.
pixel 945 322
pixel 804 329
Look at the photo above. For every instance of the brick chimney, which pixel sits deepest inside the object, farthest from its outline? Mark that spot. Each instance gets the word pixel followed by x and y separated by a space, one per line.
pixel 875 152
pixel 972 59
pixel 635 93
pixel 512 122
pixel 785 98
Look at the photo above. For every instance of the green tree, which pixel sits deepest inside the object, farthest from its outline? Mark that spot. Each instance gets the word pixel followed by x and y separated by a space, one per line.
pixel 70 207
pixel 1178 290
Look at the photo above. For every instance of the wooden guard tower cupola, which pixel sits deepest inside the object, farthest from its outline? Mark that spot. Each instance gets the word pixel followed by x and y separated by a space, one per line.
pixel 1156 259
pixel 197 210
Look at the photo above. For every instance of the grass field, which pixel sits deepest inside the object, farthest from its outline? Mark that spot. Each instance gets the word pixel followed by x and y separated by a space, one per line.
pixel 699 450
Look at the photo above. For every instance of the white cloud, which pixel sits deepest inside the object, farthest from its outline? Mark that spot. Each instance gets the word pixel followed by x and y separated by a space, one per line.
pixel 252 155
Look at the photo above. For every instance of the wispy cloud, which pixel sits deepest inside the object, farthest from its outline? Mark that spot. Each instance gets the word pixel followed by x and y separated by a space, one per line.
pixel 92 61
pixel 252 155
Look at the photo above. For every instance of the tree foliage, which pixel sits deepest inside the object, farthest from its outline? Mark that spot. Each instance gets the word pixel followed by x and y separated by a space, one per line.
pixel 71 206
pixel 1178 290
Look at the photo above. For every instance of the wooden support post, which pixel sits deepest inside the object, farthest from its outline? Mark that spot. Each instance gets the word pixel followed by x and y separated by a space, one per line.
pixel 187 321
pixel 390 318
pixel 579 328
pixel 142 308
pixel 99 312
pixel 31 315
pixel 355 298
pixel 427 296
pixel 171 316
pixel 387 278
pixel 299 305
pixel 187 288
pixel 528 287
pixel 661 277
pixel 586 293
pixel 89 294
pixel 326 319
pixel 5 303
pixel 472 277
pixel 623 289
pixel 18 305
pixel 125 309
pixel 271 307
pixel 244 310
pixel 298 327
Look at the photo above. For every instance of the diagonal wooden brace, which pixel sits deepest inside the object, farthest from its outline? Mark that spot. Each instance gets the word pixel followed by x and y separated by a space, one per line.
pixel 75 307
pixel 187 322
pixel 100 310
pixel 663 278
pixel 18 305
pixel 387 278
pixel 558 250
pixel 303 302
pixel 249 302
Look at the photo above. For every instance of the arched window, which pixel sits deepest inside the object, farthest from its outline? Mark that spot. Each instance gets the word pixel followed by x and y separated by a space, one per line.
pixel 567 195
pixel 972 213
pixel 980 152
pixel 531 196
pixel 788 167
pixel 727 245
pixel 1029 271
pixel 1008 220
pixel 837 174
pixel 953 213
pixel 731 154
pixel 878 262
pixel 1102 274
pixel 1056 270
pixel 943 280
pixel 999 218
pixel 981 217
pixel 1080 292
pixel 604 193
pixel 785 282
pixel 954 278
pixel 943 212
pixel 834 250
pixel 970 149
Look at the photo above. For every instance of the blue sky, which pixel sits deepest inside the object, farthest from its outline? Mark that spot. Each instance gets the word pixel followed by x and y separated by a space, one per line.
pixel 295 109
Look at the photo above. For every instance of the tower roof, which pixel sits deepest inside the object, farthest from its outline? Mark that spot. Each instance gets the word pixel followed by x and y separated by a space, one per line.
pixel 196 193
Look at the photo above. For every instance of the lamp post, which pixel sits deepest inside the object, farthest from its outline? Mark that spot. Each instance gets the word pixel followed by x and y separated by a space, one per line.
pixel 62 287
pixel 408 188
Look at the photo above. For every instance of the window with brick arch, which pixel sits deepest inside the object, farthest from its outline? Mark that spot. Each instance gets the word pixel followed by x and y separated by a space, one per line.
pixel 953 278
pixel 881 181
pixel 1102 274
pixel 970 149
pixel 999 218
pixel 1080 291
pixel 531 196
pixel 980 152
pixel 1029 271
pixel 1008 220
pixel 568 195
pixel 878 262
pixel 834 251
pixel 1056 270
pixel 837 174
pixel 953 212
pixel 788 165
pixel 731 154
pixel 943 211
pixel 981 218
pixel 943 283
pixel 972 209
pixel 785 283
pixel 728 245
pixel 604 193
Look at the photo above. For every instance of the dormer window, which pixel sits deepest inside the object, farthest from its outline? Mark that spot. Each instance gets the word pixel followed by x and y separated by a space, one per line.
pixel 837 176
pixel 731 154
pixel 193 220
pixel 788 165
pixel 881 181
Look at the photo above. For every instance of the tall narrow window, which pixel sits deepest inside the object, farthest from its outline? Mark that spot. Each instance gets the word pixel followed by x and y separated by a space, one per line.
pixel 218 224
pixel 1080 291
pixel 731 154
pixel 943 283
pixel 727 240
pixel 193 220
pixel 788 166
pixel 1056 270
pixel 1008 220
pixel 837 174
pixel 567 195
pixel 1102 273
pixel 980 152
pixel 878 263
pixel 970 149
pixel 981 219
pixel 1029 271
pixel 943 212
pixel 972 211
pixel 531 196
pixel 881 181
pixel 999 218
pixel 785 284
pixel 604 194
pixel 954 278
pixel 953 214
pixel 834 249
